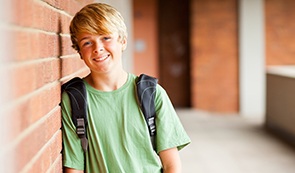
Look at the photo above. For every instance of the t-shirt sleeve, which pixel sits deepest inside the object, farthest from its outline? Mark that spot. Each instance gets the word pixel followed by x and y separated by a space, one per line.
pixel 170 131
pixel 73 154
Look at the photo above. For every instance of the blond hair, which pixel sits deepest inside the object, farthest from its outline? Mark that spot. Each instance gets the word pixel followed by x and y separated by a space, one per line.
pixel 97 19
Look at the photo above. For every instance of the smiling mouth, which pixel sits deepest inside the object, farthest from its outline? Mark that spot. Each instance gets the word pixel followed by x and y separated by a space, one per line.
pixel 100 59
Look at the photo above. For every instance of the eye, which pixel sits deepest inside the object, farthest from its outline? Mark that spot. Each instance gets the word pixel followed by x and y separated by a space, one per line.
pixel 106 38
pixel 86 43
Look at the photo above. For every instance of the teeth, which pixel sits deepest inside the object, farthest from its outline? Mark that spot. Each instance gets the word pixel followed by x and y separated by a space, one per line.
pixel 101 58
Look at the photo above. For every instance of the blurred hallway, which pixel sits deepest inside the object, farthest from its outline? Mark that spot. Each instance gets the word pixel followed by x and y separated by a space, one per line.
pixel 232 144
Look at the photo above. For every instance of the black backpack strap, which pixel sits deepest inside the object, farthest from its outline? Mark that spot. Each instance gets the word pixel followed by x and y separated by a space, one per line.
pixel 76 90
pixel 146 92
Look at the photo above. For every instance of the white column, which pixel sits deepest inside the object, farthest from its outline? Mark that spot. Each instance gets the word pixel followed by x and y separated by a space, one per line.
pixel 252 60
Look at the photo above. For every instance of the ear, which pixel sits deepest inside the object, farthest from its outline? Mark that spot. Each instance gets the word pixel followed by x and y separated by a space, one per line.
pixel 124 43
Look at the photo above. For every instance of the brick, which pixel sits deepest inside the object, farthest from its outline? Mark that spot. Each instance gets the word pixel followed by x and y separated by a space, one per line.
pixel 28 111
pixel 33 142
pixel 69 6
pixel 215 55
pixel 33 45
pixel 64 24
pixel 34 76
pixel 22 11
pixel 71 65
pixel 51 150
pixel 66 46
pixel 33 14
pixel 56 166
pixel 280 47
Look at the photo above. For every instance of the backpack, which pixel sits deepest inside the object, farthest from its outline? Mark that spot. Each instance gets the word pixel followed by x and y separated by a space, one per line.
pixel 145 92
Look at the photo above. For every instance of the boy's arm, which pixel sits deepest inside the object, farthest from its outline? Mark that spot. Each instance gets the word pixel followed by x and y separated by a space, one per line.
pixel 170 160
pixel 70 170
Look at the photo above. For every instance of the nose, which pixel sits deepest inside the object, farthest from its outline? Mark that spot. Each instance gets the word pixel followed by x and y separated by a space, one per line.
pixel 98 47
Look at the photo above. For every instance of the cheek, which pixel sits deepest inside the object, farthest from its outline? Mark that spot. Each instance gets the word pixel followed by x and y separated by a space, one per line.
pixel 114 46
pixel 84 52
pixel 81 54
pixel 84 55
pixel 111 48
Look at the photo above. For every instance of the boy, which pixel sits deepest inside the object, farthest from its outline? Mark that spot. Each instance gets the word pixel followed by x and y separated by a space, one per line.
pixel 117 132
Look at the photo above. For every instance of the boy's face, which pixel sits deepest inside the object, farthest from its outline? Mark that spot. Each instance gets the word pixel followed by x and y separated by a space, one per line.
pixel 101 53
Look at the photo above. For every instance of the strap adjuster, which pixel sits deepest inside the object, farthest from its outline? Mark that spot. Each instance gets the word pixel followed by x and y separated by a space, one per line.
pixel 80 127
pixel 151 124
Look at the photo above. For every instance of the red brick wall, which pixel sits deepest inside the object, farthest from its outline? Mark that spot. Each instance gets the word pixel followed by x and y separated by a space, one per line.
pixel 280 27
pixel 214 55
pixel 40 59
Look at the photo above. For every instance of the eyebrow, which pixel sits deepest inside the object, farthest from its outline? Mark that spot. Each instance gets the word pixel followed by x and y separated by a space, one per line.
pixel 84 38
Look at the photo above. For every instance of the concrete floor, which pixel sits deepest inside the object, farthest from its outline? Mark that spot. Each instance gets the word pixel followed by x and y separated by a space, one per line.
pixel 232 144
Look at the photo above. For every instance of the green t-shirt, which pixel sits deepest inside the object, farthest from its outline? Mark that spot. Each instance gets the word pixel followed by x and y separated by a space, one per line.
pixel 117 133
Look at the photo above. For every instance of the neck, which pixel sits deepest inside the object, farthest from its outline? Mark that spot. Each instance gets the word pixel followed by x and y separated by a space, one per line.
pixel 107 82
